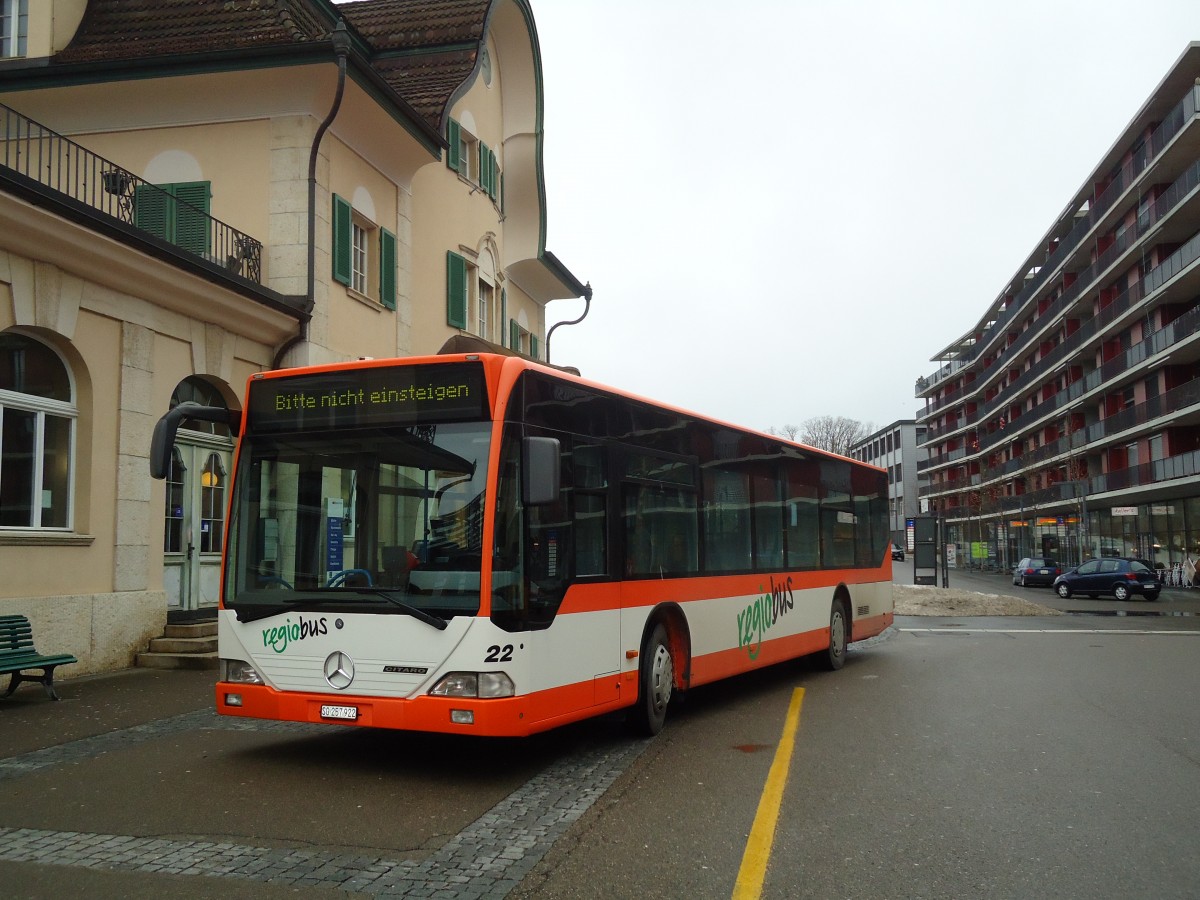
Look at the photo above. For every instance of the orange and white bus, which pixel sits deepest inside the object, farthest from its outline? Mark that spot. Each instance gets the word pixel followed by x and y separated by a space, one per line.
pixel 478 544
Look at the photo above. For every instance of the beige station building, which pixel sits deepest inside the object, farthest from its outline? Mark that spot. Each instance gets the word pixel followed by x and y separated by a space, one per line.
pixel 196 191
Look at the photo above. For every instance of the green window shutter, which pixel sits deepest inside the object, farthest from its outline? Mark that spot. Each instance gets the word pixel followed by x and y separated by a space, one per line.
pixel 456 290
pixel 152 210
pixel 514 335
pixel 341 240
pixel 485 173
pixel 156 209
pixel 501 192
pixel 192 220
pixel 387 268
pixel 503 311
pixel 493 174
pixel 453 136
pixel 533 346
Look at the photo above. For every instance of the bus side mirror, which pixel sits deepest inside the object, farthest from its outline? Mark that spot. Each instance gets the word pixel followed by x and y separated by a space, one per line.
pixel 165 429
pixel 541 468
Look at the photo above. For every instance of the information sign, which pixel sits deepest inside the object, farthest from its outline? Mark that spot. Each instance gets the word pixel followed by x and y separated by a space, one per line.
pixel 379 395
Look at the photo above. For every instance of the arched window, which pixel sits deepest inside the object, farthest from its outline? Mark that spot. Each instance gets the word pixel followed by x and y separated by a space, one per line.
pixel 37 435
pixel 197 390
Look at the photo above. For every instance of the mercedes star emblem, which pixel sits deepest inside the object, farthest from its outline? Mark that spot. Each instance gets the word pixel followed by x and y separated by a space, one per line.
pixel 339 670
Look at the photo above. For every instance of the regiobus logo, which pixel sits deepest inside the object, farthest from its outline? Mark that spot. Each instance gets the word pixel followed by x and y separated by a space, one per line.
pixel 758 618
pixel 280 637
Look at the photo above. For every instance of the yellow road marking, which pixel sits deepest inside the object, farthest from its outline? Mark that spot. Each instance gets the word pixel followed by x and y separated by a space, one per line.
pixel 762 834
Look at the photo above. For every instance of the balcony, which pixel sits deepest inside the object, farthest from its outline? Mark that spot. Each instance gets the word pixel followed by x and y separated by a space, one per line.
pixel 1175 121
pixel 1175 332
pixel 33 156
pixel 1177 193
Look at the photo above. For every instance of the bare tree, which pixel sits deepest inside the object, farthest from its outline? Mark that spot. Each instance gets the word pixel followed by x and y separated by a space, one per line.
pixel 836 434
pixel 787 431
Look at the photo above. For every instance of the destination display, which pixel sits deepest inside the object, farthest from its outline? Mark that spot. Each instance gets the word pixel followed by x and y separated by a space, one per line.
pixel 380 395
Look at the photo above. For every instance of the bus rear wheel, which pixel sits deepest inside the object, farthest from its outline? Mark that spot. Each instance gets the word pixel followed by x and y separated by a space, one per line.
pixel 833 657
pixel 656 682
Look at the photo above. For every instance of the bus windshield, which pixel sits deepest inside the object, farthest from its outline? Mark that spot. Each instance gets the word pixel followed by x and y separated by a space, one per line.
pixel 383 519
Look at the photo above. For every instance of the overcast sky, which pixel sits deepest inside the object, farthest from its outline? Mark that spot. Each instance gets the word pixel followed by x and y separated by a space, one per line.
pixel 786 207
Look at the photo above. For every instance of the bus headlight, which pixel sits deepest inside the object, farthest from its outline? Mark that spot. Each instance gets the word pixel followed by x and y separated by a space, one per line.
pixel 484 685
pixel 238 671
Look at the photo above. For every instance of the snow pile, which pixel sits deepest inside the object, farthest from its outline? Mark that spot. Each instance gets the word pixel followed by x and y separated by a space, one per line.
pixel 927 600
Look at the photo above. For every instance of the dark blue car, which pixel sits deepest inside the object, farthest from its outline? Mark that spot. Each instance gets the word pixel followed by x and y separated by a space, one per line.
pixel 1114 576
pixel 1036 570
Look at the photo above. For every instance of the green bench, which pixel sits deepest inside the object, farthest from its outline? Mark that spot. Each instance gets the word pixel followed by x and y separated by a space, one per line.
pixel 17 655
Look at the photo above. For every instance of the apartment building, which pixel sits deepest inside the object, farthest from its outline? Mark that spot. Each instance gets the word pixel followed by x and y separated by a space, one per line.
pixel 1067 421
pixel 897 448
pixel 192 192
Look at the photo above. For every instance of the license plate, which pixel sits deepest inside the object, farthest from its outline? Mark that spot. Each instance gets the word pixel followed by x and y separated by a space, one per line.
pixel 339 712
pixel 1043 571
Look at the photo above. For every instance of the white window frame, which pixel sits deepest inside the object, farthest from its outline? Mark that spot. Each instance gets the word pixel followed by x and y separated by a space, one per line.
pixel 42 407
pixel 468 150
pixel 485 308
pixel 14 17
pixel 360 254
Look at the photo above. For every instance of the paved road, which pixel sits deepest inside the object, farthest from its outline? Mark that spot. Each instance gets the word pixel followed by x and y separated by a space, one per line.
pixel 956 757
pixel 131 786
pixel 965 762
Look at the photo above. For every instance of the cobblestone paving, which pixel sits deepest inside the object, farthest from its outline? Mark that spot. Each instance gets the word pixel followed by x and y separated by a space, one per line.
pixel 485 860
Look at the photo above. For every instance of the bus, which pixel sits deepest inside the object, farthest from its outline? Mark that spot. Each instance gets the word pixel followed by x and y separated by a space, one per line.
pixel 476 543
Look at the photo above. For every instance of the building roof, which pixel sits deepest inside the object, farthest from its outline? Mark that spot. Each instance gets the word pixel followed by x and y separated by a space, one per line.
pixel 409 24
pixel 122 30
pixel 422 49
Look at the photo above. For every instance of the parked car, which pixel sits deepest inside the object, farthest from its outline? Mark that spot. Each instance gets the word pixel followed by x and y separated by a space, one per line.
pixel 1156 568
pixel 1117 576
pixel 897 552
pixel 1034 570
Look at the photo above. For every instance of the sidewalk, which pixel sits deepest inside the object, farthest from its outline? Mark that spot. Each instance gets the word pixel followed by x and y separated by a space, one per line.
pixel 1171 602
pixel 97 704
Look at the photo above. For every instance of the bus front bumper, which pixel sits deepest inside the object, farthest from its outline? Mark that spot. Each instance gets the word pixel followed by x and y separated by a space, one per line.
pixel 449 715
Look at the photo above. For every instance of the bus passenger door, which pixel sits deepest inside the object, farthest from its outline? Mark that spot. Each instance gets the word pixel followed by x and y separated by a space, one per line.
pixel 570 598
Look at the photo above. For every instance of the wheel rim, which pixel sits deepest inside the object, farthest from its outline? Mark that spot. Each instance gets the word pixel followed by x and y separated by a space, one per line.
pixel 661 678
pixel 1122 592
pixel 837 634
pixel 1063 590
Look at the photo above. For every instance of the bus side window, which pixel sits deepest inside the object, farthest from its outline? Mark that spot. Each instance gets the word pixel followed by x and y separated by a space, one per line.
pixel 768 520
pixel 550 554
pixel 591 510
pixel 726 520
pixel 660 530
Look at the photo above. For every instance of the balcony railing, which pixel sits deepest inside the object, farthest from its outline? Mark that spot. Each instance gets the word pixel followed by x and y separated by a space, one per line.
pixel 1183 327
pixel 1183 112
pixel 1179 466
pixel 1155 213
pixel 34 152
pixel 1184 465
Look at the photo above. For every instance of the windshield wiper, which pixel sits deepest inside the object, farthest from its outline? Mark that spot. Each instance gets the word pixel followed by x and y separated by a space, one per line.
pixel 254 613
pixel 414 611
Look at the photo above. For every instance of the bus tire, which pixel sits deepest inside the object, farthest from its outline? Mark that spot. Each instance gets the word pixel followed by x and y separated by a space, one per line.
pixel 656 683
pixel 833 657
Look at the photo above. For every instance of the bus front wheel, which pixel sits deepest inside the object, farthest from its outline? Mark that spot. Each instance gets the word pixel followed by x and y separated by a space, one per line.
pixel 833 657
pixel 656 681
